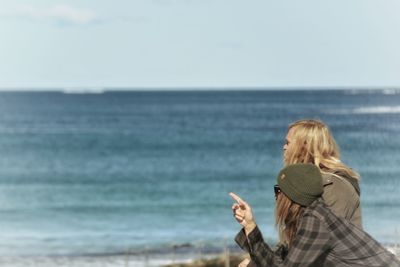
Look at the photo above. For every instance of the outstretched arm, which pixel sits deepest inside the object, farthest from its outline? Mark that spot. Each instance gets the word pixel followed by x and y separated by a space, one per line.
pixel 260 252
pixel 244 215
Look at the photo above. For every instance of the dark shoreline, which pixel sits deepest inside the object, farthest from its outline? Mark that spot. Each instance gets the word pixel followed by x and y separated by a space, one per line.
pixel 137 260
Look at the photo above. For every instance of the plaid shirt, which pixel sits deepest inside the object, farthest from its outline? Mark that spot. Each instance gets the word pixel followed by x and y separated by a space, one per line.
pixel 323 239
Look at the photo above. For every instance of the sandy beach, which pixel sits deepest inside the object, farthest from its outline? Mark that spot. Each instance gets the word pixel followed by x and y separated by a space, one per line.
pixel 153 260
pixel 101 260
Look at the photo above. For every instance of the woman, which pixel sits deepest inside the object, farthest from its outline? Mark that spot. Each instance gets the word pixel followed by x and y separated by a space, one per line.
pixel 315 235
pixel 310 141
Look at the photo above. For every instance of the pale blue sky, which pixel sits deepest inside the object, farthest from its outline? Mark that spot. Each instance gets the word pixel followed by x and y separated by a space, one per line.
pixel 199 43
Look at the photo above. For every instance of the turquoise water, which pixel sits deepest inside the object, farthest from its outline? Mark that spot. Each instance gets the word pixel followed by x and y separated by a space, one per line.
pixel 103 173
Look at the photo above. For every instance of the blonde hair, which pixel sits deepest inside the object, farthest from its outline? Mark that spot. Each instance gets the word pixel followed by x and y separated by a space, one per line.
pixel 313 143
pixel 287 214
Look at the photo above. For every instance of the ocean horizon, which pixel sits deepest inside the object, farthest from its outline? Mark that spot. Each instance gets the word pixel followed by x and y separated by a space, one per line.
pixel 104 173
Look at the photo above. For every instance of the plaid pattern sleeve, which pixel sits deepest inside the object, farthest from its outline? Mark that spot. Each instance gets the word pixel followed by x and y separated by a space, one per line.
pixel 310 244
pixel 261 254
pixel 241 240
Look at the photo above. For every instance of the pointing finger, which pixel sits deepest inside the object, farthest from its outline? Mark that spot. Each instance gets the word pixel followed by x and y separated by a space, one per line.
pixel 237 199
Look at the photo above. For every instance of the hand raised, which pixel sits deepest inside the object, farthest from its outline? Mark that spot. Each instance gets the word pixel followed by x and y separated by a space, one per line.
pixel 243 213
pixel 244 263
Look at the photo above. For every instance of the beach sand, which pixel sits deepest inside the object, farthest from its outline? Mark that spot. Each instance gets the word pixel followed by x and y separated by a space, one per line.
pixel 121 260
pixel 154 260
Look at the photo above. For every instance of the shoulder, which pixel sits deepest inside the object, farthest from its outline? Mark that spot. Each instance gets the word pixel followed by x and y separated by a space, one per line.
pixel 318 213
pixel 318 209
pixel 315 223
pixel 342 197
pixel 335 184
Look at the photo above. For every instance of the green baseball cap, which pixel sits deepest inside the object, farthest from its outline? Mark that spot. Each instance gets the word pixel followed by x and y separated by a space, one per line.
pixel 302 183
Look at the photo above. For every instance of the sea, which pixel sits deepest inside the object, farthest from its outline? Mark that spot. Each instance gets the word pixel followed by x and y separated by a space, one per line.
pixel 114 178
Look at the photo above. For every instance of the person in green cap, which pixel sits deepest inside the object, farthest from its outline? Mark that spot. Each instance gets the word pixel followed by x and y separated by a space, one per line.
pixel 312 234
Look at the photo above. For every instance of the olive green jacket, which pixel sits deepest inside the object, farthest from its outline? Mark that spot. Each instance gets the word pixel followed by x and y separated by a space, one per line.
pixel 342 195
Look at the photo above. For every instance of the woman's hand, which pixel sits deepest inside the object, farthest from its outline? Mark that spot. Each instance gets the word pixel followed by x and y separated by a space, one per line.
pixel 243 214
pixel 244 263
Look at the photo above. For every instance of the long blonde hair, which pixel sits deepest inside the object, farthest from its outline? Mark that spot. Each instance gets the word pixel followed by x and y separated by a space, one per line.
pixel 287 215
pixel 313 143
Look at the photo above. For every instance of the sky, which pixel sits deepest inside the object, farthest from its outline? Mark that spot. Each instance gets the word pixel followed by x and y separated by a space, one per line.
pixel 198 44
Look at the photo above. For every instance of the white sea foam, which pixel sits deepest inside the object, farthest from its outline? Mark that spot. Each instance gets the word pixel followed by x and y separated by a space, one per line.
pixel 387 91
pixel 377 110
pixel 366 110
pixel 395 249
pixel 91 90
pixel 391 91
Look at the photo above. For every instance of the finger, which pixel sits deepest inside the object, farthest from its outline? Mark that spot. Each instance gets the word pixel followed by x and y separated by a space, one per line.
pixel 235 206
pixel 244 263
pixel 239 212
pixel 239 218
pixel 237 198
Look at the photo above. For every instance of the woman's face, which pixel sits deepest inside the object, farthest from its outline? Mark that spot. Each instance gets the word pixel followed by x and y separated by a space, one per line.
pixel 288 143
